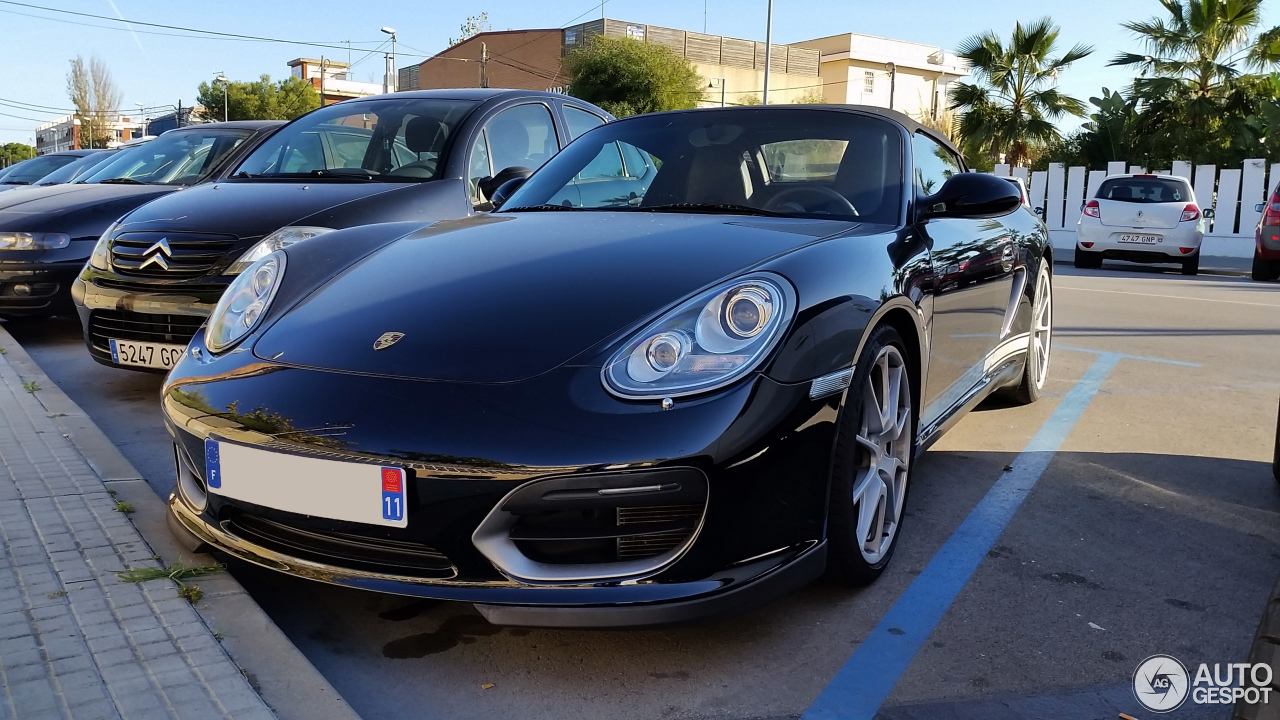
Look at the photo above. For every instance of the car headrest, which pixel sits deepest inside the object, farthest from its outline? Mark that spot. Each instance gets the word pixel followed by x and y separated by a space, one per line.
pixel 425 134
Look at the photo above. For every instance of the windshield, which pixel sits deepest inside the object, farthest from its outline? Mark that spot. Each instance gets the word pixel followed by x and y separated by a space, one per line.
pixel 789 162
pixel 1145 190
pixel 71 171
pixel 175 158
pixel 391 140
pixel 36 168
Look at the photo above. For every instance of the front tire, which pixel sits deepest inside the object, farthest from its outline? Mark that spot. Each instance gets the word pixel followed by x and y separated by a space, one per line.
pixel 1191 265
pixel 875 443
pixel 1036 368
pixel 1265 269
pixel 1086 260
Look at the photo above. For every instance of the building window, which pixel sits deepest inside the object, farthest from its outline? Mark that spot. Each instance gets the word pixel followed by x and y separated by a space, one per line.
pixel 868 82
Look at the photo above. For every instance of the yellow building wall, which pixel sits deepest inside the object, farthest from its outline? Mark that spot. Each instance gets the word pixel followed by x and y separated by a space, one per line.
pixel 741 83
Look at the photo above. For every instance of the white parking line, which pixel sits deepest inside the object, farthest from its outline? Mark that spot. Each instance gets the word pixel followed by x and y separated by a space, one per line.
pixel 1171 297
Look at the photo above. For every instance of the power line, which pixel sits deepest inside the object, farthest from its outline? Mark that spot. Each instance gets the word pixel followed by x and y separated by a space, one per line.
pixel 223 35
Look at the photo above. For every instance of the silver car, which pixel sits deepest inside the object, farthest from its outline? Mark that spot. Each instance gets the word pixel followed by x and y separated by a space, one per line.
pixel 1142 218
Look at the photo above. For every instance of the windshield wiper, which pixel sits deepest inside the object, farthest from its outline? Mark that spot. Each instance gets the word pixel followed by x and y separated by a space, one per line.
pixel 14 182
pixel 353 173
pixel 548 207
pixel 245 174
pixel 121 181
pixel 719 208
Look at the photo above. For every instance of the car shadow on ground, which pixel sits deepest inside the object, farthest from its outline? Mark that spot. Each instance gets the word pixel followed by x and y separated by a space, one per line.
pixel 1170 554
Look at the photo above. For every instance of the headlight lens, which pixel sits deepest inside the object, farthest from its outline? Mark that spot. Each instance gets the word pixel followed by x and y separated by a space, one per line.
pixel 705 343
pixel 33 241
pixel 282 238
pixel 101 256
pixel 244 303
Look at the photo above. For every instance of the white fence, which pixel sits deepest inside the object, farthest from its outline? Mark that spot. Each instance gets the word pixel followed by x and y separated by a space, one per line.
pixel 1231 192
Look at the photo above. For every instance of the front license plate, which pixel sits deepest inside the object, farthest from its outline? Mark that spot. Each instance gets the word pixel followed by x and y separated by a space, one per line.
pixel 145 354
pixel 356 492
pixel 1139 239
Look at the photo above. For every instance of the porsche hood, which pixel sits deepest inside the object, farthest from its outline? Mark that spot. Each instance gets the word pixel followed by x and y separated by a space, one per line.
pixel 506 297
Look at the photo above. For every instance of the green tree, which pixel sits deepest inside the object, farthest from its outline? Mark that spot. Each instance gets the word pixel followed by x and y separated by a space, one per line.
pixel 259 99
pixel 11 153
pixel 629 77
pixel 1195 92
pixel 1013 102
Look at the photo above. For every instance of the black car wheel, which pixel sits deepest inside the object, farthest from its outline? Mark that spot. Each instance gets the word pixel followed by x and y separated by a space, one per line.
pixel 1265 269
pixel 1265 651
pixel 1086 260
pixel 872 462
pixel 1191 265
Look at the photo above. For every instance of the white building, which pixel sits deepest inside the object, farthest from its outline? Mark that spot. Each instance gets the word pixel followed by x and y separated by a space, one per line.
pixel 866 70
pixel 331 79
pixel 64 133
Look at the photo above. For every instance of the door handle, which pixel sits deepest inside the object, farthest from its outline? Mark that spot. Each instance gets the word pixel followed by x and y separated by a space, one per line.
pixel 1006 257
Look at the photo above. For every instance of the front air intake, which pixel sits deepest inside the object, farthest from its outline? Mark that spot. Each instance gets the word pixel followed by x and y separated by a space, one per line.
pixel 595 526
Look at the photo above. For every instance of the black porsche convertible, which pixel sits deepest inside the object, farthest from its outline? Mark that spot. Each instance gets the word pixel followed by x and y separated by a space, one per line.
pixel 685 368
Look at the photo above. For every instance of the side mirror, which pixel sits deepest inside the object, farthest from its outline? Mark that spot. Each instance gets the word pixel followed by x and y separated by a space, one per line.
pixel 506 190
pixel 1039 212
pixel 491 186
pixel 971 195
pixel 1260 207
pixel 1208 212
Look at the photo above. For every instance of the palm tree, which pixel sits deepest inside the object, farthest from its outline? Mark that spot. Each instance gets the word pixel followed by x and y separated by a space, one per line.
pixel 1014 101
pixel 1199 49
pixel 1198 83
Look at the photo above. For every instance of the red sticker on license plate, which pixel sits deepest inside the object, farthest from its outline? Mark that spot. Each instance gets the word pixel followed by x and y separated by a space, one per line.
pixel 390 480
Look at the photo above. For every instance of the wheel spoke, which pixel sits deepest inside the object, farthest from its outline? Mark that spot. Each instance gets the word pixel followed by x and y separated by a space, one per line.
pixel 872 490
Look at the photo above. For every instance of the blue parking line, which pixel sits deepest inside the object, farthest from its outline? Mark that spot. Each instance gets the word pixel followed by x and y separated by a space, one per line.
pixel 1163 361
pixel 860 687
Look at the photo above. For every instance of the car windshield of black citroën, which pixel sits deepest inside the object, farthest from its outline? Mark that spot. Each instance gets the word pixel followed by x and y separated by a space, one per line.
pixel 776 162
pixel 386 140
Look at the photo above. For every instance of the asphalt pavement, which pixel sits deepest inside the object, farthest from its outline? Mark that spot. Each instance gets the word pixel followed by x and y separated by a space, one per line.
pixel 1151 528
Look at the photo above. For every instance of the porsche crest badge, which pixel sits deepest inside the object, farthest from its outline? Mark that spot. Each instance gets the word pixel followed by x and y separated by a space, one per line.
pixel 386 340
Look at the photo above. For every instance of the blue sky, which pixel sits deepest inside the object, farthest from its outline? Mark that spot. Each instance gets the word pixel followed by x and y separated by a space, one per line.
pixel 158 69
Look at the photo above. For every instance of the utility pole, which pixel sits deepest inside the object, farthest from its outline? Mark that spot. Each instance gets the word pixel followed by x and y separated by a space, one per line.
pixel 484 65
pixel 323 65
pixel 893 80
pixel 178 118
pixel 223 79
pixel 768 53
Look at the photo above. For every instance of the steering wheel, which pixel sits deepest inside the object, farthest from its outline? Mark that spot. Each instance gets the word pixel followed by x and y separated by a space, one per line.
pixel 823 196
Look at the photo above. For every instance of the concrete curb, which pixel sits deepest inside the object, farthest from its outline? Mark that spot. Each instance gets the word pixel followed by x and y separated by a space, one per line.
pixel 281 674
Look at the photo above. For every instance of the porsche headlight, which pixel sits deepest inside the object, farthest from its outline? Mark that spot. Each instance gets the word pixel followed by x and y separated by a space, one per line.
pixel 33 241
pixel 282 238
pixel 244 303
pixel 705 343
pixel 101 256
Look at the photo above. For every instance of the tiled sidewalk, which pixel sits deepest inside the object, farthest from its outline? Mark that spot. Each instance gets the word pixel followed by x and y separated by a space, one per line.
pixel 75 641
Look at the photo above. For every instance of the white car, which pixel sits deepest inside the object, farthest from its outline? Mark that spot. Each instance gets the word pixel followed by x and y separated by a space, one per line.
pixel 1142 218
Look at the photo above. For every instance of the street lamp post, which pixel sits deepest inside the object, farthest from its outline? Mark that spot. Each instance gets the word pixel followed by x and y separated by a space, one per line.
pixel 223 79
pixel 768 53
pixel 390 84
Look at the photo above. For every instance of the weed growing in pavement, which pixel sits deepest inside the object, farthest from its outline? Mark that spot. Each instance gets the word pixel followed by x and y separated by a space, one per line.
pixel 192 594
pixel 111 491
pixel 31 386
pixel 124 507
pixel 3 351
pixel 176 572
pixel 57 594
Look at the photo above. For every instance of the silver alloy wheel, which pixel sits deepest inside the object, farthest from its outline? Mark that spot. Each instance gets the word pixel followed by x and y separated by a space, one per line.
pixel 1042 327
pixel 885 437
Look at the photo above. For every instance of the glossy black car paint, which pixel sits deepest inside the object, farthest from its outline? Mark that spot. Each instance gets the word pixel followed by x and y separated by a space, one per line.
pixel 83 211
pixel 248 209
pixel 526 401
